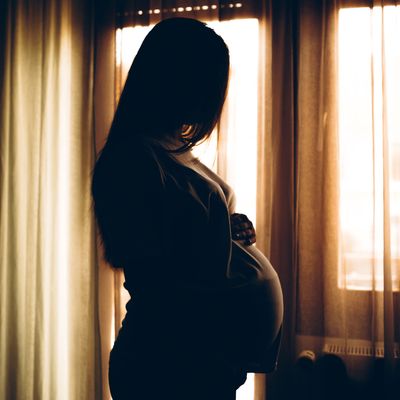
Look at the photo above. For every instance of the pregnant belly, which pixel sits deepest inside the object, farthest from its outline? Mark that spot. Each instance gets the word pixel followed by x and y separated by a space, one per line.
pixel 255 307
pixel 250 261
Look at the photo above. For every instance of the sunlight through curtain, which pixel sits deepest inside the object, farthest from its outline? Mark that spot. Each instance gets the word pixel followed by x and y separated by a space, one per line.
pixel 343 296
pixel 369 122
pixel 328 182
pixel 48 329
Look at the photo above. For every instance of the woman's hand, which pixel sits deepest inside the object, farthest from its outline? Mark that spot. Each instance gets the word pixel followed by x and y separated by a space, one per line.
pixel 242 229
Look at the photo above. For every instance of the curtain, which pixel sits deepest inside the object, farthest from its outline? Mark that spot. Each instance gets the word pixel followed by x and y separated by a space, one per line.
pixel 276 169
pixel 109 281
pixel 48 280
pixel 328 178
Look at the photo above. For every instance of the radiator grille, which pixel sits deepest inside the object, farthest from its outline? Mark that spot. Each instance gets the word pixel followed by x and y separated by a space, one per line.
pixel 354 349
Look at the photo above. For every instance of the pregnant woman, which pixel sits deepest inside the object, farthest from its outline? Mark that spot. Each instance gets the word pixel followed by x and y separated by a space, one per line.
pixel 206 306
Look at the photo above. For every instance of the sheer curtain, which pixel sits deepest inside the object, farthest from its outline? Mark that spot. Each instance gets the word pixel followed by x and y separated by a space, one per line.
pixel 328 180
pixel 276 169
pixel 48 292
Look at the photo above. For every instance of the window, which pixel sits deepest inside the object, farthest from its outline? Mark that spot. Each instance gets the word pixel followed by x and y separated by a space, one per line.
pixel 234 157
pixel 369 104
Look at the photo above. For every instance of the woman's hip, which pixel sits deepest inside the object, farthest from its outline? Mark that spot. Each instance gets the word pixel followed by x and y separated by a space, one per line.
pixel 147 371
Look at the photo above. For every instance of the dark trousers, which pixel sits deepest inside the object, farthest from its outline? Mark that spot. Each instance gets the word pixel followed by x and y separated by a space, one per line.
pixel 195 381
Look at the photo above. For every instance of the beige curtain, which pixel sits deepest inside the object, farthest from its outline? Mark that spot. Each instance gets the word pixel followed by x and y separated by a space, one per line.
pixel 109 281
pixel 48 281
pixel 327 210
pixel 276 167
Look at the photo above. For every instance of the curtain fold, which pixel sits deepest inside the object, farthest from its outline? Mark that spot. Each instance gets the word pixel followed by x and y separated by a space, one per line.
pixel 48 309
pixel 276 212
pixel 317 172
pixel 109 281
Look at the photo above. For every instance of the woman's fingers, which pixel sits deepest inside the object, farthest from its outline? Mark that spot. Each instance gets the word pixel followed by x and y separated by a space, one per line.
pixel 250 240
pixel 245 233
pixel 242 229
pixel 240 219
pixel 247 240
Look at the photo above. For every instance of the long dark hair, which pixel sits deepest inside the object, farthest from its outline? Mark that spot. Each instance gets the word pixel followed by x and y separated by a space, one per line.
pixel 177 82
pixel 176 86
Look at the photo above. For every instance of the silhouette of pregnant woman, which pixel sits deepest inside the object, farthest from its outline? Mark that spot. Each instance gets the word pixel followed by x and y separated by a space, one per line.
pixel 206 306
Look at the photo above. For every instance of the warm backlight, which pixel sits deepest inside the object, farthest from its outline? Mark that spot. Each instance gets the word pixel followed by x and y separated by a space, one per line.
pixel 369 112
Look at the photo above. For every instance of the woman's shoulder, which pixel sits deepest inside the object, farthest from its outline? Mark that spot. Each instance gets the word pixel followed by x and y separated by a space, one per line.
pixel 142 165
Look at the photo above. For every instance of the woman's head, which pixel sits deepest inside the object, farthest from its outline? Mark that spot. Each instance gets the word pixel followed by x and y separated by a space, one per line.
pixel 177 83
